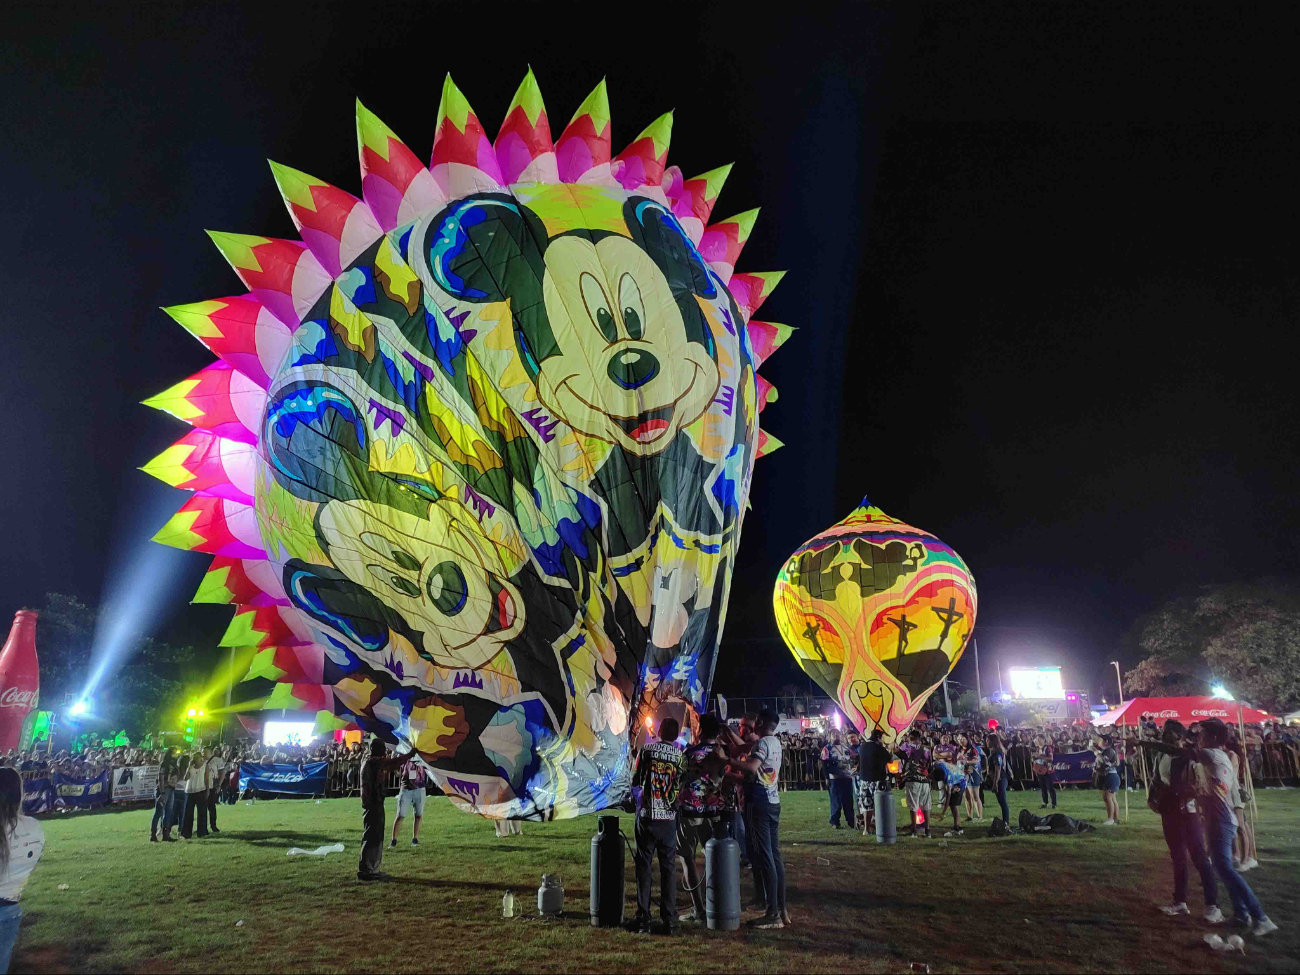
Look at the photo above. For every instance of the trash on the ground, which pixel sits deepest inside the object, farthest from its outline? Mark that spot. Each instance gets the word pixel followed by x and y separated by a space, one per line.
pixel 320 851
pixel 920 966
pixel 318 802
pixel 1235 941
pixel 239 923
pixel 64 886
pixel 823 860
pixel 1217 943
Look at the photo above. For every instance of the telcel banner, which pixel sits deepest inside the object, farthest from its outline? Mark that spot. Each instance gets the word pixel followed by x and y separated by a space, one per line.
pixel 309 780
pixel 80 793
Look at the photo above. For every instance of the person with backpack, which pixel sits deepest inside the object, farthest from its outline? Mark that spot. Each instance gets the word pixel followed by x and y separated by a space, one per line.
pixel 1172 796
pixel 1211 779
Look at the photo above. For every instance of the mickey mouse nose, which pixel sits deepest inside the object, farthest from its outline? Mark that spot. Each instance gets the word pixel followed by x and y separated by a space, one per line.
pixel 631 368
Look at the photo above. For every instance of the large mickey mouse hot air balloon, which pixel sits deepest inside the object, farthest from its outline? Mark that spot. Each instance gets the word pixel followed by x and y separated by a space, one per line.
pixel 474 457
pixel 877 612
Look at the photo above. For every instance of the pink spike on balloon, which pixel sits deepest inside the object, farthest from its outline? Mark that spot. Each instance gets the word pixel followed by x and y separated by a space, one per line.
pixel 207 464
pixel 214 525
pixel 751 290
pixel 395 184
pixel 721 243
pixel 583 151
pixel 765 338
pixel 284 275
pixel 766 392
pixel 642 163
pixel 524 147
pixel 240 330
pixel 217 398
pixel 332 222
pixel 463 160
pixel 264 626
pixel 250 582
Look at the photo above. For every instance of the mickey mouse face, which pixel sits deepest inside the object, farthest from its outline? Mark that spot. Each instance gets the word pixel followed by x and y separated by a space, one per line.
pixel 608 314
pixel 447 584
pixel 625 371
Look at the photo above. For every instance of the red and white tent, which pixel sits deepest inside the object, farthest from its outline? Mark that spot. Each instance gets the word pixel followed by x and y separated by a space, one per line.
pixel 1184 709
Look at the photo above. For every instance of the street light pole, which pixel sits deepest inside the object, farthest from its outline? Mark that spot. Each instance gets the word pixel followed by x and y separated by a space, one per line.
pixel 1119 682
pixel 979 691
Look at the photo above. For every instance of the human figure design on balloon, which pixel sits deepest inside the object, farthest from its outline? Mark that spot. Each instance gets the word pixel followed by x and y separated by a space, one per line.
pixel 475 457
pixel 877 612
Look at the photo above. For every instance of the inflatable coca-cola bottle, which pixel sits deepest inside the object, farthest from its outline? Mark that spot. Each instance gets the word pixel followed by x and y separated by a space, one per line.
pixel 20 679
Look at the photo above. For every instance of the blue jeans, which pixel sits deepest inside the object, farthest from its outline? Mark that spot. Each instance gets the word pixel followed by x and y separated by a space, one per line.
pixel 1221 833
pixel 769 868
pixel 1002 798
pixel 10 917
pixel 1185 838
pixel 162 812
pixel 841 800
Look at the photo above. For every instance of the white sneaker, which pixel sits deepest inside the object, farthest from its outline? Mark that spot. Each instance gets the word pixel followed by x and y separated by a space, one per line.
pixel 1264 926
pixel 1250 863
pixel 1175 909
pixel 1214 915
pixel 1110 822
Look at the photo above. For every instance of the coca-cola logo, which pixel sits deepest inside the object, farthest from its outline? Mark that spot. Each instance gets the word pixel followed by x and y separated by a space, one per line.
pixel 1211 713
pixel 1166 713
pixel 12 697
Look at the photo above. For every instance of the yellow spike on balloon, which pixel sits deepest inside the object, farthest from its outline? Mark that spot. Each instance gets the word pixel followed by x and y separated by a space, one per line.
pixel 595 105
pixel 178 531
pixel 372 133
pixel 238 249
pixel 172 400
pixel 295 186
pixel 453 105
pixel 528 96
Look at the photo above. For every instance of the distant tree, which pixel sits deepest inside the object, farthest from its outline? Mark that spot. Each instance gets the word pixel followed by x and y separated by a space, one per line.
pixel 791 690
pixel 967 704
pixel 139 697
pixel 1245 635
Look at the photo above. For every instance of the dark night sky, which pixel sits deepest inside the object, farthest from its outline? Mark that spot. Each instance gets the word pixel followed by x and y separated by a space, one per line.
pixel 1041 258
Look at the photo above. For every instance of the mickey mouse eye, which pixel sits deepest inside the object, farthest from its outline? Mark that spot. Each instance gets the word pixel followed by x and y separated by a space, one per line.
pixel 386 548
pixel 447 588
pixel 629 297
pixel 403 585
pixel 593 296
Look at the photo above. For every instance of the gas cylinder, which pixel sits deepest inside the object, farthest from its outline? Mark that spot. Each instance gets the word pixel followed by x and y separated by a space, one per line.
pixel 607 874
pixel 20 680
pixel 550 896
pixel 886 817
pixel 722 882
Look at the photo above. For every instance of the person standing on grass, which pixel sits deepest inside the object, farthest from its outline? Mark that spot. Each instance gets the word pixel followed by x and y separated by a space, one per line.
pixel 997 752
pixel 216 770
pixel 839 777
pixel 948 780
pixel 873 770
pixel 971 758
pixel 163 792
pixel 1221 822
pixel 1181 824
pixel 658 774
pixel 1044 756
pixel 763 762
pixel 22 840
pixel 701 807
pixel 410 799
pixel 916 783
pixel 1105 772
pixel 372 809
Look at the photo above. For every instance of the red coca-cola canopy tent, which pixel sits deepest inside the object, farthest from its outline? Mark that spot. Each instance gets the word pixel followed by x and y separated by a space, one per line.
pixel 1184 709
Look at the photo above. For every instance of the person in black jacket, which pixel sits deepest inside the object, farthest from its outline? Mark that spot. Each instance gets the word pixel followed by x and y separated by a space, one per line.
pixel 372 808
pixel 873 770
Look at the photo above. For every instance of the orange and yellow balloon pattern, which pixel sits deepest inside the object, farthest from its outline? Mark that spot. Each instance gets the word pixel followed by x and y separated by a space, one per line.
pixel 877 612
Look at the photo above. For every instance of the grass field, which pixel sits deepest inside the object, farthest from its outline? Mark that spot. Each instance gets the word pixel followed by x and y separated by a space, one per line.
pixel 1017 904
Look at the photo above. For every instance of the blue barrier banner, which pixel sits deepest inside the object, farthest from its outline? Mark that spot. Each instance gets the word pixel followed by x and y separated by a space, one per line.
pixel 38 796
pixel 1072 768
pixel 80 793
pixel 288 779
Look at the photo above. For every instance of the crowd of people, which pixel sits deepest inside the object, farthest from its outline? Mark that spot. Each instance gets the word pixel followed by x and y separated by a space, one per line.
pixel 730 780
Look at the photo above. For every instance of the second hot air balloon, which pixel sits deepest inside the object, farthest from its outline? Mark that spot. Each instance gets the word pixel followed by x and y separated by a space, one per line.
pixel 877 612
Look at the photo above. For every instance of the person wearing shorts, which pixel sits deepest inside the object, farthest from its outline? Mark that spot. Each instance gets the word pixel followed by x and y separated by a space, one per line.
pixel 410 799
pixel 916 783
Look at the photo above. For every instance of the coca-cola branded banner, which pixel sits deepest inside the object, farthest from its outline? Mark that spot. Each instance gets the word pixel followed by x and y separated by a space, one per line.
pixel 20 681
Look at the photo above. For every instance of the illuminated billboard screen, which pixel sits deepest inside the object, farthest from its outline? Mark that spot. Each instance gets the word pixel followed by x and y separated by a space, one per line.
pixel 1041 683
pixel 287 732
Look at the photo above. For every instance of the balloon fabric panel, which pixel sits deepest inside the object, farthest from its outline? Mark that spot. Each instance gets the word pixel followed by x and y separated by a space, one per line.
pixel 494 426
pixel 877 612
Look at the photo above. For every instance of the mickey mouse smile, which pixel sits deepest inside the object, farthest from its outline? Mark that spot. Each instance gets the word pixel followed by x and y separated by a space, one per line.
pixel 649 426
